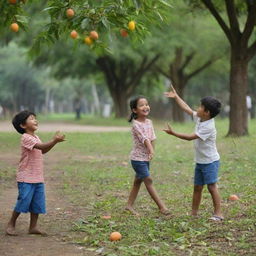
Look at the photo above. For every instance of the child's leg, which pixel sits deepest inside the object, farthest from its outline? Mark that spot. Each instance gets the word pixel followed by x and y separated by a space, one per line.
pixel 213 189
pixel 33 225
pixel 37 207
pixel 151 190
pixel 197 195
pixel 10 230
pixel 133 195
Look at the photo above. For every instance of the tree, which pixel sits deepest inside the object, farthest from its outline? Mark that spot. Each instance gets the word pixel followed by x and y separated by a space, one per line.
pixel 243 48
pixel 86 15
pixel 188 47
pixel 178 76
pixel 19 82
pixel 122 77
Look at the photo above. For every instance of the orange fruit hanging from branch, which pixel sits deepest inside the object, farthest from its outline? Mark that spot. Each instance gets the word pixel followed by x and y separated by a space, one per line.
pixel 14 27
pixel 132 25
pixel 124 32
pixel 12 1
pixel 70 13
pixel 73 34
pixel 88 40
pixel 94 35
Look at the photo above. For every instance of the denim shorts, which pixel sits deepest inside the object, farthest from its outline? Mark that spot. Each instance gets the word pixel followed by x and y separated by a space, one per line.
pixel 31 198
pixel 141 168
pixel 206 173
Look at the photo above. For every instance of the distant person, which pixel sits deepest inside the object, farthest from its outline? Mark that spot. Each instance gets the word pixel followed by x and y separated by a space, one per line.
pixel 30 178
pixel 78 108
pixel 206 154
pixel 142 153
pixel 249 105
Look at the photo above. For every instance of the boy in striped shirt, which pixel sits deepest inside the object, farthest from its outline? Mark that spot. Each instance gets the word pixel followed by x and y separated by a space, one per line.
pixel 30 177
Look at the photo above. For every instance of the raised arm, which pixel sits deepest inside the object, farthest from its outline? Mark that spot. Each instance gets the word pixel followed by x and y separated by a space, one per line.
pixel 47 146
pixel 183 105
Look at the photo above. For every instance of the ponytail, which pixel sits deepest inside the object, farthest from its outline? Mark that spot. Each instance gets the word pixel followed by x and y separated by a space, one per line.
pixel 132 116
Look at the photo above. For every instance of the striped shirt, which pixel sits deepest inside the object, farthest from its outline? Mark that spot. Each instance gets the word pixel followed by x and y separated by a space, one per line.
pixel 30 168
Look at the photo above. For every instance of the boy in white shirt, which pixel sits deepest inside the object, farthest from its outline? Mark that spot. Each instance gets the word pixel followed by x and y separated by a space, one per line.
pixel 206 154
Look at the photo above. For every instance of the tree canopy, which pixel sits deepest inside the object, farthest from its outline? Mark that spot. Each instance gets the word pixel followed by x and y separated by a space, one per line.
pixel 106 17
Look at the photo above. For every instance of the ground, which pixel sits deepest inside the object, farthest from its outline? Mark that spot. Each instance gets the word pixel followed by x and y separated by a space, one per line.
pixel 89 176
pixel 57 222
pixel 60 214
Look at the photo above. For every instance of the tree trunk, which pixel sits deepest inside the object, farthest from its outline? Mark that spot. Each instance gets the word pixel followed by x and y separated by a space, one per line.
pixel 179 83
pixel 238 89
pixel 122 78
pixel 177 112
pixel 96 101
pixel 120 104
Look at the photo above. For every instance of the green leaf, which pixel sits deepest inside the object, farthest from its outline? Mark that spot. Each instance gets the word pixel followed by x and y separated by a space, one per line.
pixel 85 23
pixel 136 4
pixel 50 8
pixel 165 3
pixel 21 19
pixel 160 16
pixel 105 22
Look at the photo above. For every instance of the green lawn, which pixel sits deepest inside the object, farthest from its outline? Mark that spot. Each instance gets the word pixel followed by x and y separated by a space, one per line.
pixel 98 177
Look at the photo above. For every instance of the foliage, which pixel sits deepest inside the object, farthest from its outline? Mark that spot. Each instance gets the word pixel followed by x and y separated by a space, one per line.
pixel 104 16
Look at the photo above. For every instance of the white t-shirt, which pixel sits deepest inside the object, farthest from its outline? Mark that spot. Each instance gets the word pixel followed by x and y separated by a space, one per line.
pixel 205 146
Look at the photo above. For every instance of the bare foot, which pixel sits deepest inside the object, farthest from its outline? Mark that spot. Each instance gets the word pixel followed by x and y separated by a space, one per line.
pixel 195 216
pixel 36 231
pixel 10 231
pixel 165 211
pixel 131 210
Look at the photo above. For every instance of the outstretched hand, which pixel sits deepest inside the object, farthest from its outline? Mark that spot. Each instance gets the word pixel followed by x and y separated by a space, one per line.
pixel 58 137
pixel 172 93
pixel 169 129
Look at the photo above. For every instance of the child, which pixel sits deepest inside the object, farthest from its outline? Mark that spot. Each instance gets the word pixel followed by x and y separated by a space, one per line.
pixel 206 154
pixel 30 177
pixel 142 152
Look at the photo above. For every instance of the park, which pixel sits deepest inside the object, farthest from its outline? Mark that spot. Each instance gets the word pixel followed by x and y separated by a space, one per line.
pixel 77 64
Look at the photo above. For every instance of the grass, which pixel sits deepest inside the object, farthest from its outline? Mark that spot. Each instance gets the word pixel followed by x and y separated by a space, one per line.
pixel 97 177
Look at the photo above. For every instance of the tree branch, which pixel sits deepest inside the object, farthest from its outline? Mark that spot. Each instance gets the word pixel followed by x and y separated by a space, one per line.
pixel 223 25
pixel 232 16
pixel 250 22
pixel 124 68
pixel 137 76
pixel 161 71
pixel 178 56
pixel 198 70
pixel 108 67
pixel 188 59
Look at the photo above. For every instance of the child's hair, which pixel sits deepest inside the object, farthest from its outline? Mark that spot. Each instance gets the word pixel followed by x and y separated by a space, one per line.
pixel 21 118
pixel 212 105
pixel 133 105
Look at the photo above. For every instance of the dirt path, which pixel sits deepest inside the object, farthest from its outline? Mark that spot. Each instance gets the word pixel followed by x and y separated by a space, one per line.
pixel 6 126
pixel 57 222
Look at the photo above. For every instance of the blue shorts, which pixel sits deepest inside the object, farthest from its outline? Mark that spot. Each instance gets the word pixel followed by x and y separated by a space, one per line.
pixel 206 173
pixel 31 198
pixel 141 168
